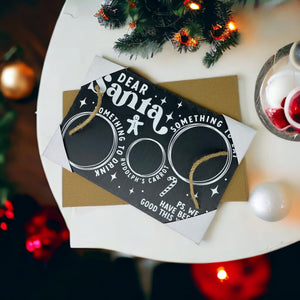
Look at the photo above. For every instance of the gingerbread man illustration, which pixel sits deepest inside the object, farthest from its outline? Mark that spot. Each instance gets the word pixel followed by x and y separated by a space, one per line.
pixel 134 124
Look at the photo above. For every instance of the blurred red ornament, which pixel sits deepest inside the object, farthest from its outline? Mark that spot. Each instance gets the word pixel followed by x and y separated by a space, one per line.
pixel 9 214
pixel 45 233
pixel 244 279
pixel 8 205
pixel 17 80
pixel 3 226
pixel 6 214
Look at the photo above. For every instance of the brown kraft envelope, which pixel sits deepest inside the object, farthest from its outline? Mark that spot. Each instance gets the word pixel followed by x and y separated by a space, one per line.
pixel 217 94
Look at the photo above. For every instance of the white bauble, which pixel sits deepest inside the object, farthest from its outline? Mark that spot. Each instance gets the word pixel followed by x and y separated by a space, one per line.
pixel 278 87
pixel 269 201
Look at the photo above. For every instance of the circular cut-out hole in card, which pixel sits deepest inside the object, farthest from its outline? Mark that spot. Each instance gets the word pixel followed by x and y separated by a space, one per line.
pixel 145 157
pixel 90 148
pixel 193 142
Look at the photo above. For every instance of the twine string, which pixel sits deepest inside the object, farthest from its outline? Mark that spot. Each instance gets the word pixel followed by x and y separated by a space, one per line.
pixel 91 116
pixel 195 165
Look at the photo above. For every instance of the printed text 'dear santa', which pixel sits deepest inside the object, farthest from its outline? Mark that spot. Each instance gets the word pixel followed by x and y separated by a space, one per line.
pixel 121 97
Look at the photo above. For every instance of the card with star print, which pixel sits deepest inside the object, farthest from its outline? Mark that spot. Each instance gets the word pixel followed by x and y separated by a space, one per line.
pixel 141 146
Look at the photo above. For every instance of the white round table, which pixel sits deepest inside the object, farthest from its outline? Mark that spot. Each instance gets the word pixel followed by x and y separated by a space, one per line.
pixel 235 232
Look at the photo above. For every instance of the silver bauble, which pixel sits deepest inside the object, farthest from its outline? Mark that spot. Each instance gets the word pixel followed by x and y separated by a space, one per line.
pixel 269 202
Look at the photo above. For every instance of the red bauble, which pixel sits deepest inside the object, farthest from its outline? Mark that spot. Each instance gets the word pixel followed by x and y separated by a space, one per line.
pixel 294 107
pixel 277 117
pixel 235 280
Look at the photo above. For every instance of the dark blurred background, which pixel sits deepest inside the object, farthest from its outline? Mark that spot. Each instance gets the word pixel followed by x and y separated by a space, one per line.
pixel 36 260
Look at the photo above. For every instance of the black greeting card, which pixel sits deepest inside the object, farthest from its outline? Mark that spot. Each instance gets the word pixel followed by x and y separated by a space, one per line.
pixel 141 146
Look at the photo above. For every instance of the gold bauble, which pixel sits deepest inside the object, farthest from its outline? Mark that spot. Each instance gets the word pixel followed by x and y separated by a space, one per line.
pixel 17 80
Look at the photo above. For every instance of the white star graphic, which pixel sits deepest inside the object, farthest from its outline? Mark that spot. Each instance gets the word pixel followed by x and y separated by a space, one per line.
pixel 214 191
pixel 179 104
pixel 113 176
pixel 131 191
pixel 82 102
pixel 196 195
pixel 163 101
pixel 169 117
